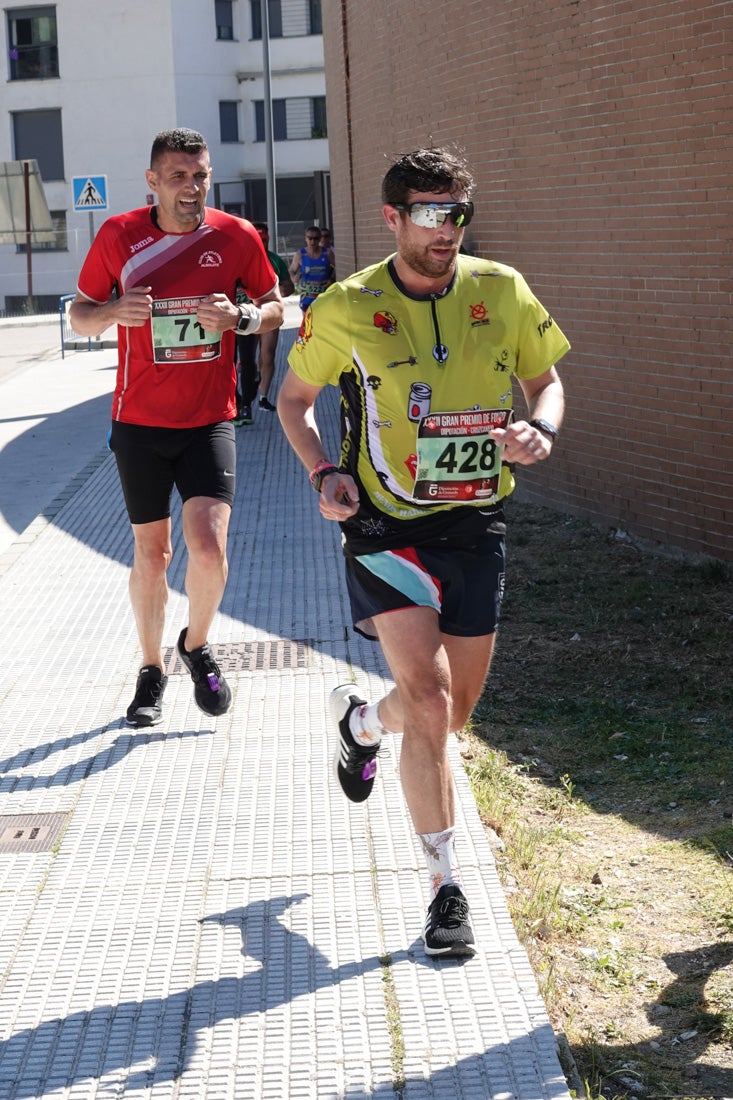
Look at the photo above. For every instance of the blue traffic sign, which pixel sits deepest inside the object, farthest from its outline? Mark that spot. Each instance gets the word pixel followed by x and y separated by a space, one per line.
pixel 90 192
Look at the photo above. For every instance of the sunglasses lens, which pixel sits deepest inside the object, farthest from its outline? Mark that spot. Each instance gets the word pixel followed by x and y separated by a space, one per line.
pixel 422 214
pixel 431 215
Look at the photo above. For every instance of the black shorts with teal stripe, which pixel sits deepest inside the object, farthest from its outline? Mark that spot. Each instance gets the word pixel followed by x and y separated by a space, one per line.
pixel 463 584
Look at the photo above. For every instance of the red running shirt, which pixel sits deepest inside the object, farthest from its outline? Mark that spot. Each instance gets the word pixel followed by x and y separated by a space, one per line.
pixel 171 373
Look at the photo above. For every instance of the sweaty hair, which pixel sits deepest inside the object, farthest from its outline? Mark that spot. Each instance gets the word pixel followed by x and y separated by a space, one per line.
pixel 432 170
pixel 181 140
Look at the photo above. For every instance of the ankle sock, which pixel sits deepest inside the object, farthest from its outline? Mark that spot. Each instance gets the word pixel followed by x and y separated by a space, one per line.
pixel 365 725
pixel 440 854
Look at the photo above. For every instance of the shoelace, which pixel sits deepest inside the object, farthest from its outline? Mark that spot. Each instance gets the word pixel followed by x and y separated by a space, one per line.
pixel 364 762
pixel 149 692
pixel 454 910
pixel 206 668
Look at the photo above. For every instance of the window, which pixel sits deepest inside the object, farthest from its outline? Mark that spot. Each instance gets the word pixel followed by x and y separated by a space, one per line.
pixel 294 119
pixel 32 43
pixel 224 15
pixel 320 125
pixel 300 17
pixel 276 18
pixel 37 136
pixel 315 18
pixel 296 204
pixel 60 242
pixel 228 120
pixel 279 121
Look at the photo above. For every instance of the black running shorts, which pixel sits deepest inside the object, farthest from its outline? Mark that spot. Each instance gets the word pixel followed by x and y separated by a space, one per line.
pixel 464 585
pixel 200 462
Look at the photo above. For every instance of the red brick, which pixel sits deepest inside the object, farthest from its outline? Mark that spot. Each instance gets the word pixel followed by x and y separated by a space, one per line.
pixel 601 137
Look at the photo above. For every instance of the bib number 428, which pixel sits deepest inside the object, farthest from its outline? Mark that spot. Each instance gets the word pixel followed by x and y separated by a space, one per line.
pixel 468 457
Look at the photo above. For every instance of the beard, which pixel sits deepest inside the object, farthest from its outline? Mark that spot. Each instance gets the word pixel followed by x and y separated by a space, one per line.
pixel 424 262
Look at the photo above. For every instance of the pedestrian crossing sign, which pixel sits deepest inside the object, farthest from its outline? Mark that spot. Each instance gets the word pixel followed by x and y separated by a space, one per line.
pixel 90 192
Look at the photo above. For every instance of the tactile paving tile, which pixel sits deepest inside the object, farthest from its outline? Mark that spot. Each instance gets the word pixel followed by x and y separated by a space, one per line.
pixel 218 920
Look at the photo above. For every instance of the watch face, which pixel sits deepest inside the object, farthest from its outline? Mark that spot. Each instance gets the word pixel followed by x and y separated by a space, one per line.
pixel 544 426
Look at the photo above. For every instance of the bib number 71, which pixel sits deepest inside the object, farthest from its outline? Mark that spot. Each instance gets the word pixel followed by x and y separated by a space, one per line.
pixel 182 324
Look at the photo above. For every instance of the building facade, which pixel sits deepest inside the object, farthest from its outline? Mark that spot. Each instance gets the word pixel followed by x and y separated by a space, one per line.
pixel 601 136
pixel 86 89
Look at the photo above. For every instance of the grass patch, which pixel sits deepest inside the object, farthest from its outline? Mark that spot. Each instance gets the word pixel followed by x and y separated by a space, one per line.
pixel 601 754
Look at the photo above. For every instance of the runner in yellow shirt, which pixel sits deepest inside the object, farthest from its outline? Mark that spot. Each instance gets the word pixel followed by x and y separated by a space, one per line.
pixel 423 347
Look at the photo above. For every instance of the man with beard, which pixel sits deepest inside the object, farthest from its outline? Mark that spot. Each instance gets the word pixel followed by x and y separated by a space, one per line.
pixel 423 346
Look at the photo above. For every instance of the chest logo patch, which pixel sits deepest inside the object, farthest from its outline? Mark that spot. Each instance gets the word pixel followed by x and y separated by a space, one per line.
pixel 479 315
pixel 386 321
pixel 418 403
pixel 210 259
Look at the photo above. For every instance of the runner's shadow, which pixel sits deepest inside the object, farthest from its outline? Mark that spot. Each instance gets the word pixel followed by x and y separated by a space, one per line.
pixel 157 1037
pixel 110 756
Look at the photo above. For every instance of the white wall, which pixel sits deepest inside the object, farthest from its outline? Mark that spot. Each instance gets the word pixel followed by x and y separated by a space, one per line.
pixel 128 71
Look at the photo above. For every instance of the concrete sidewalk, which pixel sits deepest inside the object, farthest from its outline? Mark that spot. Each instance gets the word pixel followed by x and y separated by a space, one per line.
pixel 196 910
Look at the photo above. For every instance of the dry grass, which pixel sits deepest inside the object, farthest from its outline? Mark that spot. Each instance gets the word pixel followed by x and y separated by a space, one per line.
pixel 602 755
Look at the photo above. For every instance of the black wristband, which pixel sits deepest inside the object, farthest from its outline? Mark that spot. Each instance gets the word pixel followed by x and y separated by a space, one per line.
pixel 546 428
pixel 318 478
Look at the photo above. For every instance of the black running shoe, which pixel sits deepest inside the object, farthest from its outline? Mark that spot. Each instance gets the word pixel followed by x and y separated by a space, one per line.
pixel 211 691
pixel 268 405
pixel 355 765
pixel 146 708
pixel 448 930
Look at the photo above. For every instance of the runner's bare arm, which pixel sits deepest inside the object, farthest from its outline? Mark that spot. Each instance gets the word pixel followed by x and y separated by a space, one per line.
pixel 339 497
pixel 133 309
pixel 217 313
pixel 545 399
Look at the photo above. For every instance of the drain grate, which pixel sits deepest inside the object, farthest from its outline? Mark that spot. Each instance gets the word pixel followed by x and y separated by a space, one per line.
pixel 248 657
pixel 30 832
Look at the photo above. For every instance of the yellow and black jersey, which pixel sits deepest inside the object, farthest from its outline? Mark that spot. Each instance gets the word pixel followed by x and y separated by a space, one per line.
pixel 422 381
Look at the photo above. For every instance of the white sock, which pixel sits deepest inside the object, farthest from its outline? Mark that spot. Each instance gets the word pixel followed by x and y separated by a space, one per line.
pixel 440 853
pixel 365 725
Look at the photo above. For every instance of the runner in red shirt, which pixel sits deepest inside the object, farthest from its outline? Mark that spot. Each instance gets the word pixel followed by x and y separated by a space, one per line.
pixel 172 269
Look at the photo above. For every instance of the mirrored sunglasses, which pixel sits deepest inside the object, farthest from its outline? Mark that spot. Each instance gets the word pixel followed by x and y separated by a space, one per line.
pixel 431 215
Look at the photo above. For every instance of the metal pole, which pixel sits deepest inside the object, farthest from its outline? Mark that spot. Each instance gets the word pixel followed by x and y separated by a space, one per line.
pixel 269 148
pixel 28 239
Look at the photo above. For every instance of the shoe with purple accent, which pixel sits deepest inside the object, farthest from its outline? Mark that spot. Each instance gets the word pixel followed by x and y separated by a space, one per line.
pixel 211 691
pixel 355 765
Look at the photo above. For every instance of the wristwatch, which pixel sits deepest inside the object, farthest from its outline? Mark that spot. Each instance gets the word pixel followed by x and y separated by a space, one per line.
pixel 546 428
pixel 318 477
pixel 246 317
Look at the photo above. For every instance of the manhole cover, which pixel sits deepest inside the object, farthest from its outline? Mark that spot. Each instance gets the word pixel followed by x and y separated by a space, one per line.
pixel 30 832
pixel 248 657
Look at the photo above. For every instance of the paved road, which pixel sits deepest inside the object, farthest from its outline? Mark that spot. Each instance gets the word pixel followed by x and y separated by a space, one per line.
pixel 196 911
pixel 54 416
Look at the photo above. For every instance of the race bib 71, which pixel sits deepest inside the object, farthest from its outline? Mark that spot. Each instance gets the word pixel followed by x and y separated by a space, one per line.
pixel 177 335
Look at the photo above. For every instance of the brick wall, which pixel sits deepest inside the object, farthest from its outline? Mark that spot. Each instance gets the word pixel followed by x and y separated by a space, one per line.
pixel 601 136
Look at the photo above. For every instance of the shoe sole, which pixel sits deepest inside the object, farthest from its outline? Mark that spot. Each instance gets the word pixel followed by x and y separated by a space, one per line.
pixel 144 724
pixel 461 950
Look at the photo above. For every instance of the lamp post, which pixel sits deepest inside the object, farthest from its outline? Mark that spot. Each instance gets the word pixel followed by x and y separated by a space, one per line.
pixel 269 145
